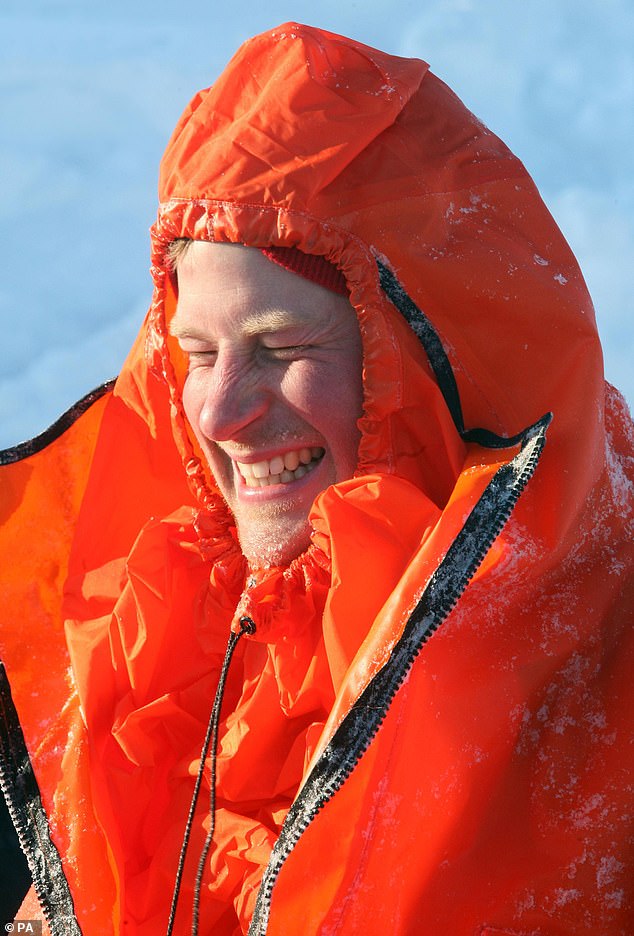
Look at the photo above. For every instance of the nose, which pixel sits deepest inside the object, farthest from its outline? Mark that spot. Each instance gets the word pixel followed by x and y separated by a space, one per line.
pixel 235 397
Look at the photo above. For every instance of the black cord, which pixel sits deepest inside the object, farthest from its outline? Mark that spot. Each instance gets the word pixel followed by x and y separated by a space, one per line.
pixel 247 626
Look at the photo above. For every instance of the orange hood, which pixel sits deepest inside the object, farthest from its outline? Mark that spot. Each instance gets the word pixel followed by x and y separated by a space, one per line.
pixel 313 140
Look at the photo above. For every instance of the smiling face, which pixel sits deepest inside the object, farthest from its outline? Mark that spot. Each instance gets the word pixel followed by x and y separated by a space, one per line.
pixel 273 391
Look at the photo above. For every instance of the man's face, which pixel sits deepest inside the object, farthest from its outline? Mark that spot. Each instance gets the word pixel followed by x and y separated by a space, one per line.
pixel 273 392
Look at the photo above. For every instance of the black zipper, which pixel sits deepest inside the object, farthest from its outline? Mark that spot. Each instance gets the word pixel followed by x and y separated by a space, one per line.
pixel 22 795
pixel 439 362
pixel 359 727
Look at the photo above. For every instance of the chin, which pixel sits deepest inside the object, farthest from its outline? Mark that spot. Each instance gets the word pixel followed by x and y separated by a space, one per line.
pixel 270 546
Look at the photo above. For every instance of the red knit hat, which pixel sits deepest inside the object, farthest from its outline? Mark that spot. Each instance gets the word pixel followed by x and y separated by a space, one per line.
pixel 311 266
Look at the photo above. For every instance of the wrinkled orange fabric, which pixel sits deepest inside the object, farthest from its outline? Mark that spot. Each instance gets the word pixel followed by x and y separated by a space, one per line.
pixel 495 797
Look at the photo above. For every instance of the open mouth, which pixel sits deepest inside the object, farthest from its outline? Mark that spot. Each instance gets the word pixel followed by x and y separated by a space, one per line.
pixel 282 468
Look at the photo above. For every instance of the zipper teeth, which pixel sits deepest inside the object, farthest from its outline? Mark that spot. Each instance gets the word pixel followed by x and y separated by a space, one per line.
pixel 309 803
pixel 18 823
pixel 28 828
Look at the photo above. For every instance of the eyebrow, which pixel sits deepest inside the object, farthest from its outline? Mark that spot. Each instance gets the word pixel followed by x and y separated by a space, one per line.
pixel 263 322
pixel 181 330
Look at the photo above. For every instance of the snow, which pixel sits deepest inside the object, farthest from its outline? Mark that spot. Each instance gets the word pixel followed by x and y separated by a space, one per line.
pixel 90 91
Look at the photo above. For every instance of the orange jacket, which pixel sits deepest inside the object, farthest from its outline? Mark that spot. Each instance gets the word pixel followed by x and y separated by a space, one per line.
pixel 430 730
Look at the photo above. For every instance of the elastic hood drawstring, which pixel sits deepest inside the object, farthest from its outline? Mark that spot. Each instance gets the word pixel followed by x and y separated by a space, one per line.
pixel 247 626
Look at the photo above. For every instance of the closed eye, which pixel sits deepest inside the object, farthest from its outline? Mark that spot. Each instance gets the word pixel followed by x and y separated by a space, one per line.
pixel 201 358
pixel 286 352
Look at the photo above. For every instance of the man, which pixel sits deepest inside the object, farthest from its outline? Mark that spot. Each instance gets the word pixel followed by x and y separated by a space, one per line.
pixel 274 387
pixel 327 444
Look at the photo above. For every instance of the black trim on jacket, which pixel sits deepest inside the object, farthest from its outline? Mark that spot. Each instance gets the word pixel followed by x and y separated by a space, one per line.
pixel 15 878
pixel 440 363
pixel 22 796
pixel 23 449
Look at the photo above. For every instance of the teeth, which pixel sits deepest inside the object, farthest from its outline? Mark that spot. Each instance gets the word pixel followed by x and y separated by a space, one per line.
pixel 291 461
pixel 260 469
pixel 281 468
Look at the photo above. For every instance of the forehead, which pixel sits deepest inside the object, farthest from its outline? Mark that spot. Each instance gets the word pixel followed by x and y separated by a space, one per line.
pixel 230 286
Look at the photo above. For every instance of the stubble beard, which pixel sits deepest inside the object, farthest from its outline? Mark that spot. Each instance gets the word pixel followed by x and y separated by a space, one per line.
pixel 269 536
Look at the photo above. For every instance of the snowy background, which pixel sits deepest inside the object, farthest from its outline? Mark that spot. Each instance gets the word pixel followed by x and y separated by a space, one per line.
pixel 91 89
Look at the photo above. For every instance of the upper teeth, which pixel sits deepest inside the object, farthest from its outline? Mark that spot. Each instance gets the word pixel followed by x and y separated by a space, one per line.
pixel 281 468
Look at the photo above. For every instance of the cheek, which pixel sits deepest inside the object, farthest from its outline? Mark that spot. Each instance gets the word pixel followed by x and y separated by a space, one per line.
pixel 309 389
pixel 328 399
pixel 193 399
